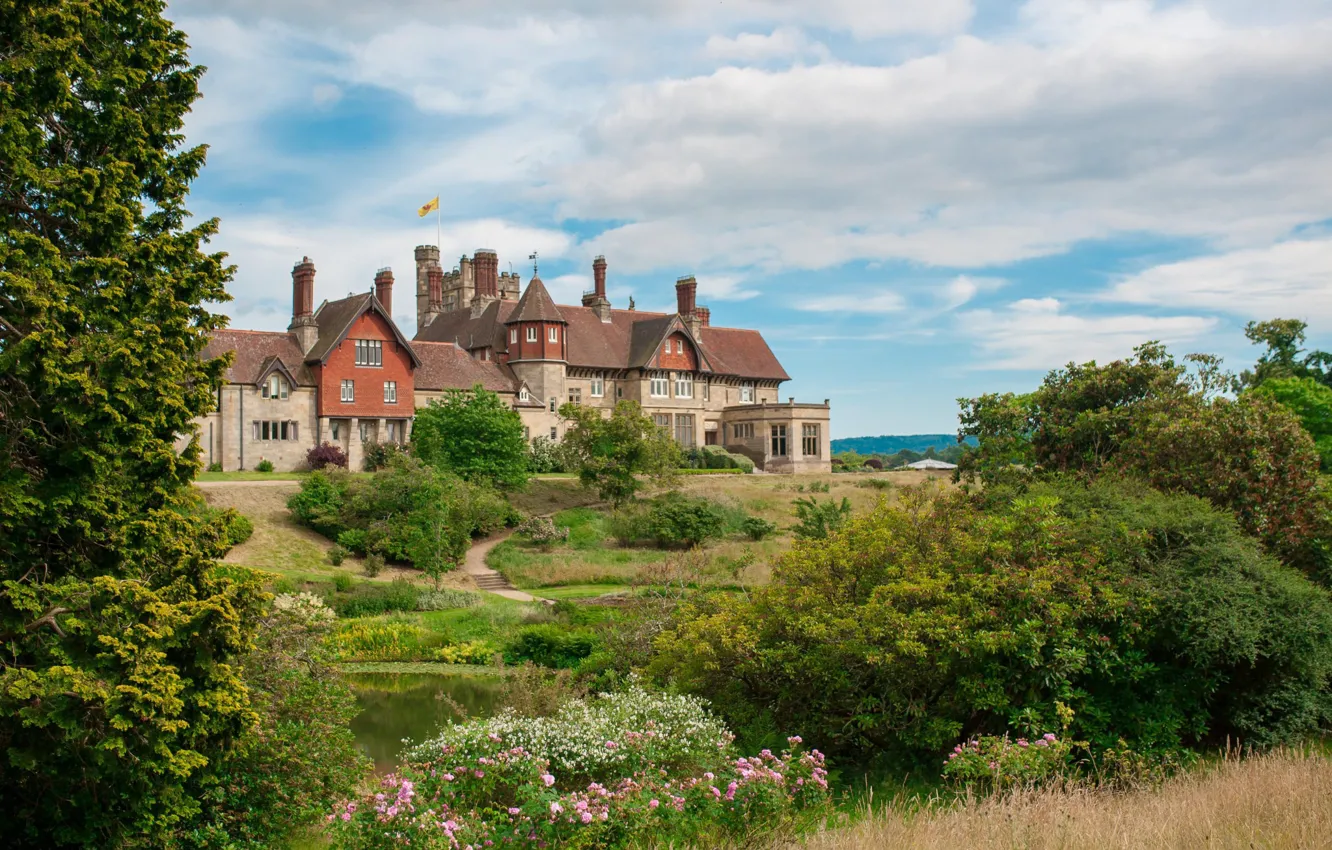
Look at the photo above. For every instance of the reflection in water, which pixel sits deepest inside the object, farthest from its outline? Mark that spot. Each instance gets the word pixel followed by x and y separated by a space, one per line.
pixel 395 706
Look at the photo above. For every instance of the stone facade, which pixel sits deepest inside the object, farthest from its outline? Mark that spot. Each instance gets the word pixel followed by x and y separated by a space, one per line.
pixel 343 373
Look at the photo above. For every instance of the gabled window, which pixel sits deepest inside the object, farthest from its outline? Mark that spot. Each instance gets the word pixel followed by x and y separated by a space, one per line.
pixel 369 352
pixel 348 390
pixel 660 387
pixel 531 334
pixel 679 346
pixel 598 387
pixel 524 395
pixel 390 392
pixel 274 387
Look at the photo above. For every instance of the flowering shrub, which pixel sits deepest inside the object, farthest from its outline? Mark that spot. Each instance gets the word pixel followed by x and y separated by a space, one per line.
pixel 613 771
pixel 446 600
pixel 469 652
pixel 380 641
pixel 326 454
pixel 994 762
pixel 304 608
pixel 543 531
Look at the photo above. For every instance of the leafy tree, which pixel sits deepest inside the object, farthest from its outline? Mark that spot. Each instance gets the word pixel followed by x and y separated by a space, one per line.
pixel 942 616
pixel 119 682
pixel 1312 403
pixel 609 452
pixel 1153 417
pixel 1284 357
pixel 817 520
pixel 472 433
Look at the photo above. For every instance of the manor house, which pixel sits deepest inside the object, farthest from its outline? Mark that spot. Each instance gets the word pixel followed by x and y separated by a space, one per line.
pixel 344 373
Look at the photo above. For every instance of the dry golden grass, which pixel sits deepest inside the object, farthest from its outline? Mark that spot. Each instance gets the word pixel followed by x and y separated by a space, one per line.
pixel 1277 801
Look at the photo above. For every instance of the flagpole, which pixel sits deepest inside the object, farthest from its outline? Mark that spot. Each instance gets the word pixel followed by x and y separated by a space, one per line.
pixel 438 214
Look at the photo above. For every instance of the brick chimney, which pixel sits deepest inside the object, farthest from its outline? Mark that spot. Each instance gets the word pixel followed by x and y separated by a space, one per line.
pixel 487 273
pixel 704 316
pixel 596 299
pixel 303 323
pixel 384 289
pixel 686 288
pixel 427 258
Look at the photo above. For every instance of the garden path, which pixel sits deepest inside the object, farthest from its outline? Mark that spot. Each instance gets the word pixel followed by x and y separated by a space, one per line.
pixel 489 580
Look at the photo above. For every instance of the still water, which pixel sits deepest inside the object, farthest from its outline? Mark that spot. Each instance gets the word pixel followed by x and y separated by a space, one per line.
pixel 395 706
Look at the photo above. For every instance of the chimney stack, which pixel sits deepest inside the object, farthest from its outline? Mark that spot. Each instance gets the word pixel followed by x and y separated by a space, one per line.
pixel 487 273
pixel 686 288
pixel 384 289
pixel 599 276
pixel 704 316
pixel 435 281
pixel 303 323
pixel 427 258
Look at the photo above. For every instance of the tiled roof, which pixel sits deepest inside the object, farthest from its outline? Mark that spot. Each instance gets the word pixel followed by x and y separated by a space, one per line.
pixel 741 352
pixel 335 319
pixel 536 305
pixel 254 351
pixel 445 366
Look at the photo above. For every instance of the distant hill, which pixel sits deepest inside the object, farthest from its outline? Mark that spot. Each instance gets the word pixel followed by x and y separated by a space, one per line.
pixel 892 444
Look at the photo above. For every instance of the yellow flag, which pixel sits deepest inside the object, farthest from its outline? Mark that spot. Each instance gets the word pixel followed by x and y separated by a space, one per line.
pixel 429 207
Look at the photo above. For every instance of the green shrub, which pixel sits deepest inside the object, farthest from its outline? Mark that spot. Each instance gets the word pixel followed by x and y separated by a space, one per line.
pixel 238 527
pixel 284 585
pixel 354 540
pixel 370 599
pixel 336 556
pixel 549 646
pixel 876 484
pixel 467 652
pixel 215 467
pixel 993 763
pixel 542 531
pixel 446 600
pixel 474 434
pixel 816 520
pixel 710 471
pixel 374 564
pixel 758 528
pixel 1150 617
pixel 376 455
pixel 675 519
pixel 543 456
pixel 264 465
pixel 342 582
pixel 628 524
pixel 319 503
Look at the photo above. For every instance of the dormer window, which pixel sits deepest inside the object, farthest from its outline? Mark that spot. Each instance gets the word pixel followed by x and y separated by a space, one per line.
pixel 524 395
pixel 531 334
pixel 274 387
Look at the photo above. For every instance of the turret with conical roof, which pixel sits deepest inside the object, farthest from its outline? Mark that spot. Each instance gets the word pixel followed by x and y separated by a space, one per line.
pixel 537 330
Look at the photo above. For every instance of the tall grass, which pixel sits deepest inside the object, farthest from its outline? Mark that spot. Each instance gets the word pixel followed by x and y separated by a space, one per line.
pixel 1277 801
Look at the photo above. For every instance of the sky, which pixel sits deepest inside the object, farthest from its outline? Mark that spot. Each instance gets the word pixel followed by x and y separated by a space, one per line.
pixel 914 201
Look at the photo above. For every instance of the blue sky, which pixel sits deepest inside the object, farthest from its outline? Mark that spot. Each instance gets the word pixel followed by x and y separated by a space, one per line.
pixel 914 201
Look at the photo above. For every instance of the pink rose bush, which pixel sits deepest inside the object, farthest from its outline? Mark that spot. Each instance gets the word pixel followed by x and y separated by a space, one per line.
pixel 531 786
pixel 993 763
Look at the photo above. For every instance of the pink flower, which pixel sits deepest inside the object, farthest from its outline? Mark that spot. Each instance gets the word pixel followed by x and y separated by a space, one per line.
pixel 587 817
pixel 556 808
pixel 652 804
pixel 1050 736
pixel 548 779
pixel 610 745
pixel 513 810
pixel 795 739
pixel 345 817
pixel 480 774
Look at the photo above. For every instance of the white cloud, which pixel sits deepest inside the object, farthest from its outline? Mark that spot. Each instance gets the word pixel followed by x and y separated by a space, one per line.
pixel 781 43
pixel 879 302
pixel 1037 334
pixel 724 287
pixel 1289 279
pixel 326 94
pixel 963 288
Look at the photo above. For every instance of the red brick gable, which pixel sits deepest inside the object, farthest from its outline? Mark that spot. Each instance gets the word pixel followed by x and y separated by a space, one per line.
pixel 677 353
pixel 340 364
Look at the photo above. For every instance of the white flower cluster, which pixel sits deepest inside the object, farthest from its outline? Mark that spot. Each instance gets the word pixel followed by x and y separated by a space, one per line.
pixel 305 607
pixel 624 731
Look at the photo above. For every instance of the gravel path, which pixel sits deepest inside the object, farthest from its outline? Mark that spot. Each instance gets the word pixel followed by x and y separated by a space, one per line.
pixel 489 580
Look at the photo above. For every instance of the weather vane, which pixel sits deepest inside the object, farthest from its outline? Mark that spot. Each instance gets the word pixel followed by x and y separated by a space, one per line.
pixel 533 257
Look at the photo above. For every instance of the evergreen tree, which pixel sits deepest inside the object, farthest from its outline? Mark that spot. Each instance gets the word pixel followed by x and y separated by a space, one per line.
pixel 119 681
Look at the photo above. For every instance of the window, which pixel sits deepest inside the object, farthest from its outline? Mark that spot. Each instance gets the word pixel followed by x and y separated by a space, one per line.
pixel 679 346
pixel 390 392
pixel 527 433
pixel 273 429
pixel 684 429
pixel 333 429
pixel 662 420
pixel 348 390
pixel 531 334
pixel 809 440
pixel 743 430
pixel 779 441
pixel 392 431
pixel 274 387
pixel 369 352
pixel 524 395
pixel 513 334
pixel 660 386
pixel 554 434
pixel 365 432
pixel 598 387
pixel 575 396
pixel 707 391
pixel 554 334
pixel 666 349
pixel 684 385
pixel 552 404
pixel 747 393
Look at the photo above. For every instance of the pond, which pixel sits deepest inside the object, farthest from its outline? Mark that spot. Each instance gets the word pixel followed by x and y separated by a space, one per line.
pixel 395 706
